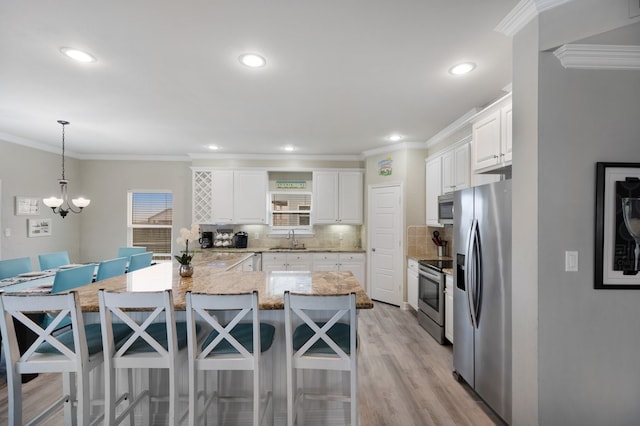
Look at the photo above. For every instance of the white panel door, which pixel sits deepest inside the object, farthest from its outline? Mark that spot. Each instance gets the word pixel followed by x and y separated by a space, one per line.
pixel 385 243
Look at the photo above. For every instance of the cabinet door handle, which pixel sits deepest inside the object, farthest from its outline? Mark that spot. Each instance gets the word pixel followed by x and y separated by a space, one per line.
pixel 495 156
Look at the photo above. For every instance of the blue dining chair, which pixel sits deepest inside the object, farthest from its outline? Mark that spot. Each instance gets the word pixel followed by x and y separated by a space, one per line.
pixel 66 279
pixel 111 268
pixel 129 251
pixel 139 261
pixel 53 260
pixel 13 267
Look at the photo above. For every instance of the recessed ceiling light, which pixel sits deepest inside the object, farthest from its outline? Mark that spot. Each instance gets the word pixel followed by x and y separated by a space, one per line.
pixel 213 147
pixel 289 148
pixel 463 68
pixel 252 60
pixel 395 138
pixel 77 55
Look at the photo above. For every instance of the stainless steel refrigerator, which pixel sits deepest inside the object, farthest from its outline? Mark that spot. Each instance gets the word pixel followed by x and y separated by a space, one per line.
pixel 482 293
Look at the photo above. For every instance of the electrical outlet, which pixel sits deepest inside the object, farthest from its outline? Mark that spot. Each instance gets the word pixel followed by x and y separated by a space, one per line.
pixel 256 235
pixel 7 232
pixel 340 237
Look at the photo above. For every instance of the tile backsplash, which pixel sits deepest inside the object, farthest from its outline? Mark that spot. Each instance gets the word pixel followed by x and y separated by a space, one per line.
pixel 420 245
pixel 324 236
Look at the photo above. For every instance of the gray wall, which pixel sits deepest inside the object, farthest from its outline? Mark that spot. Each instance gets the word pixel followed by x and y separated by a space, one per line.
pixel 587 340
pixel 104 224
pixel 525 228
pixel 34 173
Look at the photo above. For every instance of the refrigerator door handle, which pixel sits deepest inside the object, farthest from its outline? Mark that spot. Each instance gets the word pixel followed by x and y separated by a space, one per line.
pixel 471 273
pixel 477 284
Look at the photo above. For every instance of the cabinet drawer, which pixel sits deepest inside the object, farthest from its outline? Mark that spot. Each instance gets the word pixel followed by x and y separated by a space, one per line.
pixel 274 257
pixel 298 258
pixel 351 257
pixel 328 257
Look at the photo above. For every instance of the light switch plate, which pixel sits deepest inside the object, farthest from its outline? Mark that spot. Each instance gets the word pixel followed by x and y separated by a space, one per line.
pixel 570 261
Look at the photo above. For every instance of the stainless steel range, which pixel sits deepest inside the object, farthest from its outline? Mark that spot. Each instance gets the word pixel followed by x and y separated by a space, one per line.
pixel 431 285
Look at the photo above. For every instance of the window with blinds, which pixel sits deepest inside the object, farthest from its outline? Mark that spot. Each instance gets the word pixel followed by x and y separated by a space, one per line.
pixel 291 210
pixel 150 221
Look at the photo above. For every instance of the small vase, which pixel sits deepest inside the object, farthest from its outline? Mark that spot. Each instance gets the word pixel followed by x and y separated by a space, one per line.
pixel 186 270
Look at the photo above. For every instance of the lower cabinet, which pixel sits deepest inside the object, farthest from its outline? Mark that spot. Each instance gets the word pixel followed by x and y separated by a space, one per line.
pixel 352 262
pixel 286 262
pixel 448 308
pixel 412 283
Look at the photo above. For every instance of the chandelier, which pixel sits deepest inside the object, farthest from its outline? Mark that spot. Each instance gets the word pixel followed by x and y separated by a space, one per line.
pixel 61 205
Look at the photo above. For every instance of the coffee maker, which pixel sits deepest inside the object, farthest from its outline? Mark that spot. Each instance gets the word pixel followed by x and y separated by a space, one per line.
pixel 240 240
pixel 206 241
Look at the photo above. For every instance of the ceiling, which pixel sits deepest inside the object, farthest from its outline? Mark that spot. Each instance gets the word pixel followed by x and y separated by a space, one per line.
pixel 341 76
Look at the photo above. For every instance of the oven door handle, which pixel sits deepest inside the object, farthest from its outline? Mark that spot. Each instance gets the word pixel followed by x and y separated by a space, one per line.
pixel 471 272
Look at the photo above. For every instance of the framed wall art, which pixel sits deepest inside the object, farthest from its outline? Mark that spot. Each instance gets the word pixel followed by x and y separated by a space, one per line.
pixel 617 250
pixel 38 227
pixel 27 206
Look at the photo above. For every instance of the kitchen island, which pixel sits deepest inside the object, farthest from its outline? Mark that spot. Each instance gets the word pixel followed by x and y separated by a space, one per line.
pixel 211 275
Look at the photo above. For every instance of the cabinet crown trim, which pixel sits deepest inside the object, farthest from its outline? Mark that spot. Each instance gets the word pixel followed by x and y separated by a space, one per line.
pixel 599 57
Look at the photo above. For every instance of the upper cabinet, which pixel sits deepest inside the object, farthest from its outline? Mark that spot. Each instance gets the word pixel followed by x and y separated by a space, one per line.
pixel 455 169
pixel 433 169
pixel 446 172
pixel 229 196
pixel 492 137
pixel 338 197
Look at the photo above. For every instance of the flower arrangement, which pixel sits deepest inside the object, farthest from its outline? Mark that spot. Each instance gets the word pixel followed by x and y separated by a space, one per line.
pixel 185 235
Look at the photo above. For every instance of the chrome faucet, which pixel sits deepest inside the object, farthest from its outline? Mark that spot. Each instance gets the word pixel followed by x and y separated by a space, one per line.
pixel 292 236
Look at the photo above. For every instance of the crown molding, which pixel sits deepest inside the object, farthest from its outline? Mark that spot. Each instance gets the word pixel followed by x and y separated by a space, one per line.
pixel 394 147
pixel 452 128
pixel 524 12
pixel 599 57
pixel 197 156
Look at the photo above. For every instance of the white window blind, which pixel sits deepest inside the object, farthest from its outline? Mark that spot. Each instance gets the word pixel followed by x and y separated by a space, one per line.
pixel 150 221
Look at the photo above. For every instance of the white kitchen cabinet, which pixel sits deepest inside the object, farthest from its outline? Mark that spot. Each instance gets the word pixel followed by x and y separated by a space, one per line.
pixel 412 283
pixel 229 196
pixel 456 169
pixel 201 196
pixel 448 308
pixel 250 189
pixel 286 262
pixel 338 197
pixel 246 265
pixel 433 169
pixel 492 137
pixel 352 262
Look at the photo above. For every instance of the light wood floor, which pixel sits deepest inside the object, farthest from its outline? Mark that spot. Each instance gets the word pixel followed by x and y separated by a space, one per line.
pixel 404 378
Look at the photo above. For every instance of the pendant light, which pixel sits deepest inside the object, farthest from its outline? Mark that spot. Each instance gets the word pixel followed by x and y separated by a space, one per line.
pixel 61 205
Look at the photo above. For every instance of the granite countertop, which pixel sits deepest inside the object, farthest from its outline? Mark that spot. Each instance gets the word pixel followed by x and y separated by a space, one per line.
pixel 211 276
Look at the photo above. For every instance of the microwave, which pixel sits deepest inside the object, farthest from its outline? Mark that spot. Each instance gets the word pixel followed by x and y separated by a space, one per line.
pixel 445 209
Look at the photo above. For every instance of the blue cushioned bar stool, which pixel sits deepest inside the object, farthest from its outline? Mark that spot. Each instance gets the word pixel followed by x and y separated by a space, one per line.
pixel 74 353
pixel 111 268
pixel 236 342
pixel 156 342
pixel 320 345
pixel 13 267
pixel 53 260
pixel 139 261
